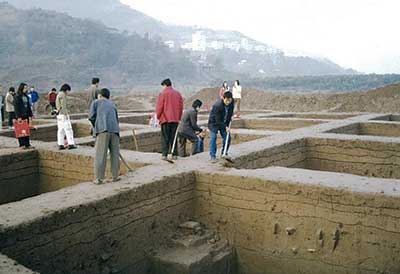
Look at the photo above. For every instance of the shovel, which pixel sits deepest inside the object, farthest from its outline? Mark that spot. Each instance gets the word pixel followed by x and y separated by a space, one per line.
pixel 125 162
pixel 225 151
pixel 135 140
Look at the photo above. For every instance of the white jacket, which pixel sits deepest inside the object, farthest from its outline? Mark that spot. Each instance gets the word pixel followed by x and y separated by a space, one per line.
pixel 237 92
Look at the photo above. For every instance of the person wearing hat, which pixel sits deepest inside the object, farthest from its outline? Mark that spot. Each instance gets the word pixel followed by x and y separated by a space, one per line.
pixel 104 117
pixel 188 129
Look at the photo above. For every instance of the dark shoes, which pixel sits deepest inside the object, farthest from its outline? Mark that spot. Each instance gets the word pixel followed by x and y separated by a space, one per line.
pixel 69 147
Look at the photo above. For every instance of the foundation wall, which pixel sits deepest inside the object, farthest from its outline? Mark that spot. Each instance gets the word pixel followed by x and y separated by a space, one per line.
pixel 394 118
pixel 288 155
pixel 313 116
pixel 60 170
pixel 365 158
pixel 253 214
pixel 140 119
pixel 380 129
pixel 49 133
pixel 353 129
pixel 147 142
pixel 19 177
pixel 273 124
pixel 114 235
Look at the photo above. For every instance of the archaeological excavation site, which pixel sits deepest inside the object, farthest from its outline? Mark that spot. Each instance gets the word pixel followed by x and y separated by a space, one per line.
pixel 311 193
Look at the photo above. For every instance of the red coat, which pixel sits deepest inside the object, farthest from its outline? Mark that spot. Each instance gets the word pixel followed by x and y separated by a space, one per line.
pixel 169 106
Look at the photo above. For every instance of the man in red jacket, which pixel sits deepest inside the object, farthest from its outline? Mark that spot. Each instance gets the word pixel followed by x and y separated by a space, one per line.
pixel 169 113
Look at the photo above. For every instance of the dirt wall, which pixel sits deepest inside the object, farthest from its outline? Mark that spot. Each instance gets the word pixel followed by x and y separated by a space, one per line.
pixel 282 227
pixel 19 177
pixel 113 235
pixel 365 158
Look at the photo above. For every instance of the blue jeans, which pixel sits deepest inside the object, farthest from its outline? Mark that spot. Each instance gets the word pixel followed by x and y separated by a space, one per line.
pixel 200 144
pixel 213 142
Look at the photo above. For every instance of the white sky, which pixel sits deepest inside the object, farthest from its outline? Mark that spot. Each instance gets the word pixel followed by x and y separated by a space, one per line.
pixel 361 34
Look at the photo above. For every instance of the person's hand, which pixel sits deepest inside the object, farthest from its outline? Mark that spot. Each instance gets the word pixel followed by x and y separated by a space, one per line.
pixel 228 129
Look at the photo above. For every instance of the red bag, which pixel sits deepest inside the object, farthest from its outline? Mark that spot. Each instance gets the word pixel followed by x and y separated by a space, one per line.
pixel 22 129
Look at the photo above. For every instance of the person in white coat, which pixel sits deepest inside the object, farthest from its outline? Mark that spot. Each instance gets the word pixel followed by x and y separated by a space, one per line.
pixel 237 96
pixel 63 121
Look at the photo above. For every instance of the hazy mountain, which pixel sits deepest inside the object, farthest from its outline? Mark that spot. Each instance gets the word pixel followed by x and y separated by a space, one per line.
pixel 45 47
pixel 272 62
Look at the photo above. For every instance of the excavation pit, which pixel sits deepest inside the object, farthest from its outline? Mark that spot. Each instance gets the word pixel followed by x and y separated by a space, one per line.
pixel 322 116
pixel 377 159
pixel 121 230
pixel 371 129
pixel 137 119
pixel 389 118
pixel 25 174
pixel 274 124
pixel 149 140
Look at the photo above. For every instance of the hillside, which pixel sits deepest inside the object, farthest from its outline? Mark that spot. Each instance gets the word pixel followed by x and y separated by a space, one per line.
pixel 271 62
pixel 384 100
pixel 47 48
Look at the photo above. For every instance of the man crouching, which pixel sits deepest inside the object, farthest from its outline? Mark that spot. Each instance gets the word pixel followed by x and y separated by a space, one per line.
pixel 104 118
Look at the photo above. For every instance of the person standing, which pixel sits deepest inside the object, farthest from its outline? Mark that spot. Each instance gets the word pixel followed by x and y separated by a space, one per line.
pixel 34 99
pixel 223 89
pixel 93 91
pixel 52 97
pixel 10 107
pixel 188 129
pixel 23 112
pixel 219 121
pixel 63 122
pixel 2 103
pixel 237 96
pixel 104 117
pixel 169 113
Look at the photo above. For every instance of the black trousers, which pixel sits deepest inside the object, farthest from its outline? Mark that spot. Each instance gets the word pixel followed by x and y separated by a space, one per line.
pixel 11 117
pixel 168 131
pixel 24 142
pixel 2 115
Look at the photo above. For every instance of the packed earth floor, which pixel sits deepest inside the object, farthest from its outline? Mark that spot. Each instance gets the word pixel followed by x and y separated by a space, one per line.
pixel 305 193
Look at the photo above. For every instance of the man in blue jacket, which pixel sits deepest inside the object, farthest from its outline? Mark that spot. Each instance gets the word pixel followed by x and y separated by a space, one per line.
pixel 219 120
pixel 34 101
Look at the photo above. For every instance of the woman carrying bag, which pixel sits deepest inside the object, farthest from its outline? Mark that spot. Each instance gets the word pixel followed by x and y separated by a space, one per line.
pixel 23 114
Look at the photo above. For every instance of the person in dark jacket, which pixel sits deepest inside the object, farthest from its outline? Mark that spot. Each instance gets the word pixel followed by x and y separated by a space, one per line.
pixel 219 120
pixel 188 129
pixel 104 118
pixel 169 113
pixel 23 111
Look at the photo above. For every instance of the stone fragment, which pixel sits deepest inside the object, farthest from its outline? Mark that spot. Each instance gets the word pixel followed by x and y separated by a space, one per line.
pixel 190 225
pixel 290 231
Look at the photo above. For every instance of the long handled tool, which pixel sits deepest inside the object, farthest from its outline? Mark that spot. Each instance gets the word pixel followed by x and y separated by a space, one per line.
pixel 135 140
pixel 174 144
pixel 225 151
pixel 125 162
